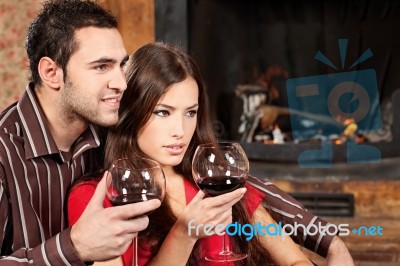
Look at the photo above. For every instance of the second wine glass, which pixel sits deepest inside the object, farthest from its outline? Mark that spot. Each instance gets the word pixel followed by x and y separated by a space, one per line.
pixel 134 180
pixel 218 169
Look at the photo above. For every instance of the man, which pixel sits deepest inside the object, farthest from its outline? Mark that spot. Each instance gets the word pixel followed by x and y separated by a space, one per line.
pixel 48 138
pixel 51 136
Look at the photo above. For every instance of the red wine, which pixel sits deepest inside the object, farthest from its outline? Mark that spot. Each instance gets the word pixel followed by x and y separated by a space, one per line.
pixel 218 185
pixel 132 198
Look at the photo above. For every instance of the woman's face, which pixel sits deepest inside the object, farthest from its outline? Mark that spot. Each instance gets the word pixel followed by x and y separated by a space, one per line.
pixel 167 134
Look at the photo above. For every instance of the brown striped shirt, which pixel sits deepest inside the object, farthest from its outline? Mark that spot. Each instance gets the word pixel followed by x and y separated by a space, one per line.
pixel 34 179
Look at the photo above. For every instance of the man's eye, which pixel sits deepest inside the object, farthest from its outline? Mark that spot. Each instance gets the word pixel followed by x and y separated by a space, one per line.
pixel 161 113
pixel 192 113
pixel 101 67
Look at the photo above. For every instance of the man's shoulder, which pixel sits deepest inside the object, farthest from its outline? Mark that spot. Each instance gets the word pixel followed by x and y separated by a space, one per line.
pixel 9 119
pixel 10 127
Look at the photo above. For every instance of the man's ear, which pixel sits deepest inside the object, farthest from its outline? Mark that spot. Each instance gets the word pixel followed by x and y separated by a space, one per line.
pixel 50 73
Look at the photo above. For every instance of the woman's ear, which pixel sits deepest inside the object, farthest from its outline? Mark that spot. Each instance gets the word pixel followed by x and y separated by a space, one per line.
pixel 50 73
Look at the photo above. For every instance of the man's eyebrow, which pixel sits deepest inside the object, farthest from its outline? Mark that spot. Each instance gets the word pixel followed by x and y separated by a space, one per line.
pixel 103 60
pixel 126 58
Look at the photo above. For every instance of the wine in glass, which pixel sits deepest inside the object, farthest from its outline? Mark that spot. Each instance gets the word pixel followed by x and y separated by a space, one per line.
pixel 135 180
pixel 218 169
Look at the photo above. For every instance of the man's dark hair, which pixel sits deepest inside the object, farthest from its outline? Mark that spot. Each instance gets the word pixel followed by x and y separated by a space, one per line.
pixel 52 33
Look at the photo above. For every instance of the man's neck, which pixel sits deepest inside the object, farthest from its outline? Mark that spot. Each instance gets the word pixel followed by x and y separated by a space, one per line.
pixel 64 127
pixel 65 134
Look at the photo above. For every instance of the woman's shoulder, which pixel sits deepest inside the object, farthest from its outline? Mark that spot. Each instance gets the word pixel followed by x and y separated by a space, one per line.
pixel 79 197
pixel 252 199
pixel 87 184
pixel 254 192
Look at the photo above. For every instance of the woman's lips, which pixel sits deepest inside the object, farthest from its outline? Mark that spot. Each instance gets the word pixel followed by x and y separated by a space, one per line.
pixel 175 149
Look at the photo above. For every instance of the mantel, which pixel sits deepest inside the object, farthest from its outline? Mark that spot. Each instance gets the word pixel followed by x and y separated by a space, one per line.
pixel 289 152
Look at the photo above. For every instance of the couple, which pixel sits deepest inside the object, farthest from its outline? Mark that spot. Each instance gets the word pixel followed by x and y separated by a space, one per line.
pixel 52 137
pixel 165 103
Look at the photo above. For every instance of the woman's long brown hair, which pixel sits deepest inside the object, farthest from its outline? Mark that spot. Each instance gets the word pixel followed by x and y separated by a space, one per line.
pixel 151 70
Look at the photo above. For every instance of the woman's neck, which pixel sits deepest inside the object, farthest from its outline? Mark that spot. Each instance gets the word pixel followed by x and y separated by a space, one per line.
pixel 174 181
pixel 175 190
pixel 169 172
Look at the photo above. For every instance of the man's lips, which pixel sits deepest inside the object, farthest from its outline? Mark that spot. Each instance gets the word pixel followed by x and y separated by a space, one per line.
pixel 112 101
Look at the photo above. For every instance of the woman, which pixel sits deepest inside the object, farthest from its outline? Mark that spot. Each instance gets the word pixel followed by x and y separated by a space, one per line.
pixel 163 116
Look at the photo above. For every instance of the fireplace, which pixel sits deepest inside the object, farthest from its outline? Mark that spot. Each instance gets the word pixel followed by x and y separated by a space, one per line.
pixel 239 43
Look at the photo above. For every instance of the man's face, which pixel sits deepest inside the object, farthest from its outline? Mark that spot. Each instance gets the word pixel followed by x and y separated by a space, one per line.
pixel 95 78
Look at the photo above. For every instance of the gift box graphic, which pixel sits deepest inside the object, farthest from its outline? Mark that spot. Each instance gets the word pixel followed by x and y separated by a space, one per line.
pixel 320 105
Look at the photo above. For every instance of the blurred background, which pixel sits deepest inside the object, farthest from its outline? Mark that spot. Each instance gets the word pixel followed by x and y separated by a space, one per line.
pixel 253 56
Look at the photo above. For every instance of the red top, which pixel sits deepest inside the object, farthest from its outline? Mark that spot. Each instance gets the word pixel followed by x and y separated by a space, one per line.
pixel 81 195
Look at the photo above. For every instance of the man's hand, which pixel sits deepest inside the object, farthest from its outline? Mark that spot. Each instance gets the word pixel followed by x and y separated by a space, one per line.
pixel 105 233
pixel 338 254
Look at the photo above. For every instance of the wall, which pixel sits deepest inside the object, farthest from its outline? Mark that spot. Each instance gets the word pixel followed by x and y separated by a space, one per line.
pixel 136 21
pixel 15 17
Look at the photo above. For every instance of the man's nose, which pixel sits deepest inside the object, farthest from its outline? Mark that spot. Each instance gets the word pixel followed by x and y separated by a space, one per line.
pixel 118 82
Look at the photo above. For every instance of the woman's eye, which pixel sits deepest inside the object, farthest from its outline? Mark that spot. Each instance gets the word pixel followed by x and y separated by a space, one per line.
pixel 161 113
pixel 192 113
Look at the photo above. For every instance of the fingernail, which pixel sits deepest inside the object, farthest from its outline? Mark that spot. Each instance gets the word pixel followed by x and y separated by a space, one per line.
pixel 243 190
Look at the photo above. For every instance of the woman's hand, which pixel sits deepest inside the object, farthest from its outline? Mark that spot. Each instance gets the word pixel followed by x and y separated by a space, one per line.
pixel 200 212
pixel 207 216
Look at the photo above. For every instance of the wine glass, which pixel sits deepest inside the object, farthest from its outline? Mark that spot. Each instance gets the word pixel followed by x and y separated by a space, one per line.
pixel 135 180
pixel 218 169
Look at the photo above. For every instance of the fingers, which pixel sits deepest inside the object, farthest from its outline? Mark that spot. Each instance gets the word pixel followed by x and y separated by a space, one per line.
pixel 100 193
pixel 134 210
pixel 228 199
pixel 137 224
pixel 223 218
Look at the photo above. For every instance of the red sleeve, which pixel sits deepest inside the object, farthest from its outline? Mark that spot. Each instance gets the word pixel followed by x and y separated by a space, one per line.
pixel 252 199
pixel 78 199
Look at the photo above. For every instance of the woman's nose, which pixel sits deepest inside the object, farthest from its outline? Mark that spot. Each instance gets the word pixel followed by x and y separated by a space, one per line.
pixel 177 128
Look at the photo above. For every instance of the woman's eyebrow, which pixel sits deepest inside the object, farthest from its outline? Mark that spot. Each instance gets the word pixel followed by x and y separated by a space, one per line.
pixel 171 107
pixel 164 105
pixel 193 106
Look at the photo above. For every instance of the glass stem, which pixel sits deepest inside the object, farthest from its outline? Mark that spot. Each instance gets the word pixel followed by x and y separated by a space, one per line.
pixel 135 255
pixel 225 248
